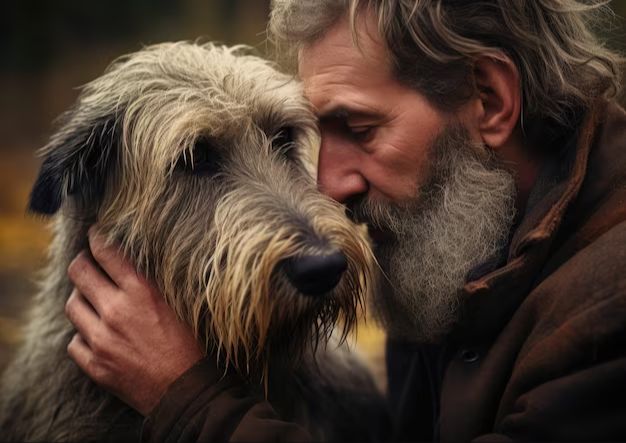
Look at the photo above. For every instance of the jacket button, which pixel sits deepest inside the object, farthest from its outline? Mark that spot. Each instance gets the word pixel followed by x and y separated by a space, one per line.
pixel 469 355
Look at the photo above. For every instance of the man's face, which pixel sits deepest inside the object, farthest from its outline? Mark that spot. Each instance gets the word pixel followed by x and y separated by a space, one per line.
pixel 438 205
pixel 376 132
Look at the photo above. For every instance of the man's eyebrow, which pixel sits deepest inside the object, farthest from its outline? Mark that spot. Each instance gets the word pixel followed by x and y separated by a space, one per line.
pixel 344 112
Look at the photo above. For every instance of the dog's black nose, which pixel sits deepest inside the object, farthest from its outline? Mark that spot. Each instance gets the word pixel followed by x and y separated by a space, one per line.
pixel 316 274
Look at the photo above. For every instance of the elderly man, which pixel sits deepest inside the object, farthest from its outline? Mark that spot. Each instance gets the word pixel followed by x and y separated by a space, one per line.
pixel 478 142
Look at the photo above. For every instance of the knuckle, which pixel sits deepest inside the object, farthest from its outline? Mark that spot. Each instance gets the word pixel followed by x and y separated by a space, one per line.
pixel 69 310
pixel 91 363
pixel 144 293
pixel 77 266
pixel 98 344
pixel 146 289
pixel 71 346
pixel 109 313
pixel 154 292
pixel 97 250
pixel 98 247
pixel 103 345
pixel 136 283
pixel 70 306
pixel 96 371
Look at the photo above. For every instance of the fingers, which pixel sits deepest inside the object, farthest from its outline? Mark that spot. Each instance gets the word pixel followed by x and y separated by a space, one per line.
pixel 112 261
pixel 79 351
pixel 90 281
pixel 82 315
pixel 113 289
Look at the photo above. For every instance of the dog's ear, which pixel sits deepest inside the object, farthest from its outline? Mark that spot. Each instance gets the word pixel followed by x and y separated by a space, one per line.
pixel 77 162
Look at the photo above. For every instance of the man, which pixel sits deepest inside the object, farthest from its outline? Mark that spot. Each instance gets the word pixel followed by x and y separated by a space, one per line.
pixel 477 141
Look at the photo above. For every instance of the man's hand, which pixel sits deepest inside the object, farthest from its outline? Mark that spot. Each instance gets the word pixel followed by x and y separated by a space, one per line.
pixel 129 340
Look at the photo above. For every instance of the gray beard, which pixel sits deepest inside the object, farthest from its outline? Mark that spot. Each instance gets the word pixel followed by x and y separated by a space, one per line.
pixel 460 220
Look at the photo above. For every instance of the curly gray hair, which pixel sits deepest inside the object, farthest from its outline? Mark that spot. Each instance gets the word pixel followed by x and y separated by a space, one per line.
pixel 432 45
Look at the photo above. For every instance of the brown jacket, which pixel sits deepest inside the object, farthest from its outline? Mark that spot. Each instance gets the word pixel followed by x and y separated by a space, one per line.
pixel 540 353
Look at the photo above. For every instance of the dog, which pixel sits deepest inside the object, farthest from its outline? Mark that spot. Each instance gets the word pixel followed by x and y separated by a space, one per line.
pixel 199 161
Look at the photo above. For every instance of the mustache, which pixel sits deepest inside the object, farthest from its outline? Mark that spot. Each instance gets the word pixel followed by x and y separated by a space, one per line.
pixel 449 148
pixel 389 217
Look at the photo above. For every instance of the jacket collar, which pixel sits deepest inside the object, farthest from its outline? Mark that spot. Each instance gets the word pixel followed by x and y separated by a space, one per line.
pixel 491 299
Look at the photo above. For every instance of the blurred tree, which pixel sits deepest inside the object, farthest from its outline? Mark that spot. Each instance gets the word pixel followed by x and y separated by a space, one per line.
pixel 36 31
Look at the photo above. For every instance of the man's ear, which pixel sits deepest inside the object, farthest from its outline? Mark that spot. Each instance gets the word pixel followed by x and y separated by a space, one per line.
pixel 77 162
pixel 498 87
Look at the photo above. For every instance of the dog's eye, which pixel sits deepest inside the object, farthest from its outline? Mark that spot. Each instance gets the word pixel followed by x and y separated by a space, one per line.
pixel 283 141
pixel 204 160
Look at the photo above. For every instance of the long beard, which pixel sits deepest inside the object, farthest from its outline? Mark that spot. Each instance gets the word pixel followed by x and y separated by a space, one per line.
pixel 460 220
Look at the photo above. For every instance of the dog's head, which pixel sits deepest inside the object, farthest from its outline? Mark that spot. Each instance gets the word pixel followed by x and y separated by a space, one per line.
pixel 199 160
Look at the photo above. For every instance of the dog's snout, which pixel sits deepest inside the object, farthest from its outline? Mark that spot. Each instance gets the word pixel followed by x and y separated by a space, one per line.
pixel 316 274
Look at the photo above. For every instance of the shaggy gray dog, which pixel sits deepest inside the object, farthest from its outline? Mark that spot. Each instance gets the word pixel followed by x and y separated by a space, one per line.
pixel 198 160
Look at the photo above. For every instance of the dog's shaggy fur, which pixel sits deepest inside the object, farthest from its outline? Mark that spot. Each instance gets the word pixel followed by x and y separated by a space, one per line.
pixel 198 160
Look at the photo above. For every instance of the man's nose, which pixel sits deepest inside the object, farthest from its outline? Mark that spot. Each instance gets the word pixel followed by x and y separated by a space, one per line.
pixel 339 175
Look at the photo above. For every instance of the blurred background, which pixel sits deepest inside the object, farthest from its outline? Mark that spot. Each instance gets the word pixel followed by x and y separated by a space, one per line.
pixel 48 50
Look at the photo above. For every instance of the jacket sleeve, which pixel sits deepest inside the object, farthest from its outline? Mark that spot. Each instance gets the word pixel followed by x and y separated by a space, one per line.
pixel 587 406
pixel 203 407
